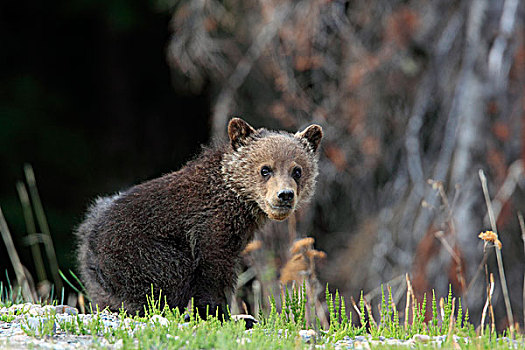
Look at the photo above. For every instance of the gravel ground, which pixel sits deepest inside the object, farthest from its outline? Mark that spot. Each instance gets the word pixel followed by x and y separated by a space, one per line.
pixel 13 336
pixel 33 320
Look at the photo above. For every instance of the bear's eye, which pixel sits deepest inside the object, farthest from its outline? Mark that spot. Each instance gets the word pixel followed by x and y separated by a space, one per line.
pixel 266 171
pixel 296 173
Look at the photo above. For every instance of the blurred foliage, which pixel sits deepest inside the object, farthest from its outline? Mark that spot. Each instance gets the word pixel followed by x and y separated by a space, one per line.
pixel 406 91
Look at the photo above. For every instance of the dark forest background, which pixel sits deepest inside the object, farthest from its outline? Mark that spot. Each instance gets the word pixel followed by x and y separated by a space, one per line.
pixel 415 97
pixel 87 99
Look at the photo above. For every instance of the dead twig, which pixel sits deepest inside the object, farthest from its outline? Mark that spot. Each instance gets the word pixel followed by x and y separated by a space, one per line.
pixel 490 290
pixel 522 227
pixel 21 277
pixel 407 305
pixel 370 314
pixel 491 311
pixel 441 237
pixel 438 185
pixel 81 303
pixel 414 304
pixel 356 308
pixel 503 281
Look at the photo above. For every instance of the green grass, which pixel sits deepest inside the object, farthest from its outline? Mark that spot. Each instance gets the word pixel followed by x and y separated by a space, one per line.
pixel 278 328
pixel 162 327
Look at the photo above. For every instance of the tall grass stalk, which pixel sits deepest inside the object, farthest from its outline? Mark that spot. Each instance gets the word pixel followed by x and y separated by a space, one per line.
pixel 31 231
pixel 42 223
pixel 15 259
pixel 407 305
pixel 79 288
pixel 503 280
pixel 522 227
pixel 490 291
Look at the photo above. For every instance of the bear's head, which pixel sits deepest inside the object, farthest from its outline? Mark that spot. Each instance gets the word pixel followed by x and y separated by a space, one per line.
pixel 276 169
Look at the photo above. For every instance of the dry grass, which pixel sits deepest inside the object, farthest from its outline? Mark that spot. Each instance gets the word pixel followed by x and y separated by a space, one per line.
pixel 522 227
pixel 503 280
pixel 20 271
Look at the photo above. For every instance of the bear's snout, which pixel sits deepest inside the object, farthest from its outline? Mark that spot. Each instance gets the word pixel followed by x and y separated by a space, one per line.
pixel 285 196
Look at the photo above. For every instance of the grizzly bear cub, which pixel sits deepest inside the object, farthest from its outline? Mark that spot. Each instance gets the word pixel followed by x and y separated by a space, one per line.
pixel 182 233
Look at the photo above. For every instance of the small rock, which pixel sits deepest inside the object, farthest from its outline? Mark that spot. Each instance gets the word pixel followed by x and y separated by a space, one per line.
pixel 307 335
pixel 50 309
pixel 158 319
pixel 35 311
pixel 410 343
pixel 422 338
pixel 307 332
pixel 110 324
pixel 393 342
pixel 440 338
pixel 363 345
pixel 128 323
pixel 66 309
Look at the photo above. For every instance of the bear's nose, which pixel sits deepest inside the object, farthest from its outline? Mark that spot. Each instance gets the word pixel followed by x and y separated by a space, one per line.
pixel 285 195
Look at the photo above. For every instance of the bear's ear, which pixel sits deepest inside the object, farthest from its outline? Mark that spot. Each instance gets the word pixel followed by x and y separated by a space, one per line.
pixel 313 135
pixel 239 131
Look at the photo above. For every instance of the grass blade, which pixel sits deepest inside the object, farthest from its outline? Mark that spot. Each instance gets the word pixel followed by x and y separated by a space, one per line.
pixel 82 289
pixel 42 222
pixel 15 259
pixel 31 230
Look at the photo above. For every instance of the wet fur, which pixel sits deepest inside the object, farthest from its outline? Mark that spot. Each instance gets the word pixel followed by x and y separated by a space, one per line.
pixel 182 233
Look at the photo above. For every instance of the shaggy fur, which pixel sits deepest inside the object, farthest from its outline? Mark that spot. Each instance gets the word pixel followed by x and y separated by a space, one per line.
pixel 182 233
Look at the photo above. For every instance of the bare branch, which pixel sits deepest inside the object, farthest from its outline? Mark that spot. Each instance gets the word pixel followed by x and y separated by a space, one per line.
pixel 225 98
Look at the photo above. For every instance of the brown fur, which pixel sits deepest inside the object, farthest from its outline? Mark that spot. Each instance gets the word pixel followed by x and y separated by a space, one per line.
pixel 183 233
